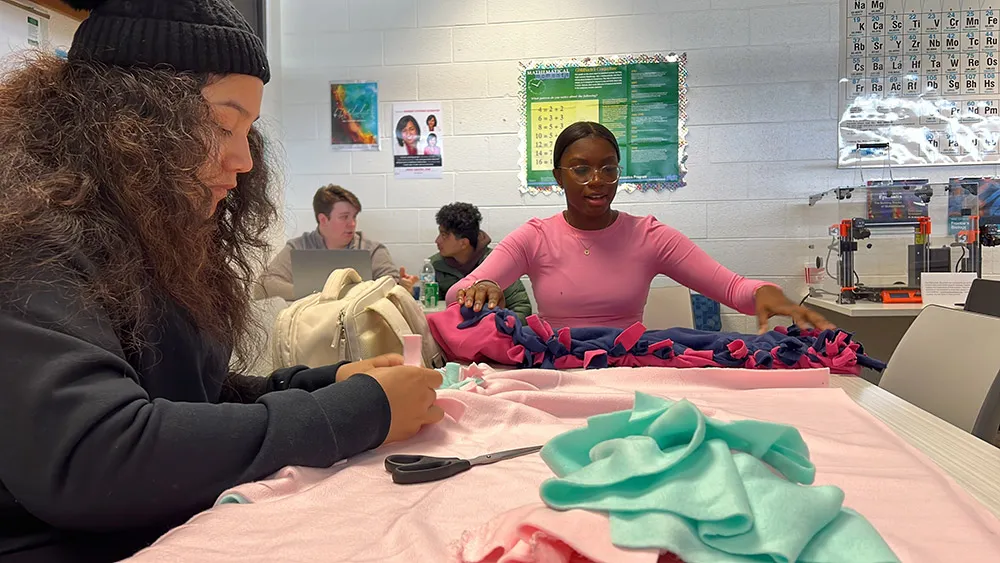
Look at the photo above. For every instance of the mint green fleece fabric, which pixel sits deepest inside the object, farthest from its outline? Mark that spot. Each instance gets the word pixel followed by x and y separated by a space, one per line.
pixel 451 374
pixel 233 498
pixel 673 479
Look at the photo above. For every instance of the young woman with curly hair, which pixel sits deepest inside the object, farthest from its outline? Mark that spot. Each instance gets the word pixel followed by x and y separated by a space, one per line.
pixel 135 205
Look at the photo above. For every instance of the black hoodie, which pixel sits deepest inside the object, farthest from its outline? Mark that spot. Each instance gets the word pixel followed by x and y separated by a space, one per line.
pixel 102 451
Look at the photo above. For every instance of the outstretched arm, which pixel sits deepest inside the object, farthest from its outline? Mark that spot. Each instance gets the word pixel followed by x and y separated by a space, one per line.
pixel 682 260
pixel 505 265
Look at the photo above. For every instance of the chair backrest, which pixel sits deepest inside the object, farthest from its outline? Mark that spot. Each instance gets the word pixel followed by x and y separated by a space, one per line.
pixel 948 363
pixel 668 307
pixel 984 297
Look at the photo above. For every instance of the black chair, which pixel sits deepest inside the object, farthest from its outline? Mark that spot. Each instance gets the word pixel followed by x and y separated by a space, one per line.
pixel 984 297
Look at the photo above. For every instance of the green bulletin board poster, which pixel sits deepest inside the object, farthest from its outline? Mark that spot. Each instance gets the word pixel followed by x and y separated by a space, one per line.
pixel 642 99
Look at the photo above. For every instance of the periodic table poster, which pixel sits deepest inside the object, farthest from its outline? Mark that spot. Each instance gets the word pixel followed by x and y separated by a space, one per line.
pixel 642 99
pixel 920 76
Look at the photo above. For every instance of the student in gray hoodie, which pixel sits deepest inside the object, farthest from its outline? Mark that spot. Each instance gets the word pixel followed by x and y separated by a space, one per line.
pixel 336 212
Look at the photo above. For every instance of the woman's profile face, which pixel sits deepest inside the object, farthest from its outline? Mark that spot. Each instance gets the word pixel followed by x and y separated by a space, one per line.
pixel 432 122
pixel 410 133
pixel 235 101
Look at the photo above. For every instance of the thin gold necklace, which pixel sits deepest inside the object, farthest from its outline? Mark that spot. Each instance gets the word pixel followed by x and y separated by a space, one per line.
pixel 586 249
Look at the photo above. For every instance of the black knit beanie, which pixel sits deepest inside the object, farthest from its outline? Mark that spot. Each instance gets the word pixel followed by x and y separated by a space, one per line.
pixel 203 36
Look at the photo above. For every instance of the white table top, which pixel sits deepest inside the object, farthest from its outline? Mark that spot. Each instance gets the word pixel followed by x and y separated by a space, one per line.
pixel 441 306
pixel 866 308
pixel 971 462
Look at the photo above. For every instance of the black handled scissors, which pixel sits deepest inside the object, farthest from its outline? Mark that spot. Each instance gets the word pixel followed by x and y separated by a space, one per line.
pixel 409 469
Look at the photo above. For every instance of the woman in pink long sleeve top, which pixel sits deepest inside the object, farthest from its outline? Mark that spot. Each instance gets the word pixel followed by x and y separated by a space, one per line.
pixel 592 266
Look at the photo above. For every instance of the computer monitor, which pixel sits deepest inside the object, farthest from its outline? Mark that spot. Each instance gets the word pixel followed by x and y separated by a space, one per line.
pixel 311 268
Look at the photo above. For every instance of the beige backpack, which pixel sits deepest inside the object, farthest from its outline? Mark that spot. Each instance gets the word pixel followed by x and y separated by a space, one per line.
pixel 350 320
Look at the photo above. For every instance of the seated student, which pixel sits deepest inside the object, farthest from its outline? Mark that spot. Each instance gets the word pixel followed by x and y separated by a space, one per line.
pixel 462 247
pixel 592 265
pixel 135 198
pixel 336 212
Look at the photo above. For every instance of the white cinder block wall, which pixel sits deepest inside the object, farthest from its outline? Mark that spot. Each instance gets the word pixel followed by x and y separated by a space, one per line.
pixel 762 114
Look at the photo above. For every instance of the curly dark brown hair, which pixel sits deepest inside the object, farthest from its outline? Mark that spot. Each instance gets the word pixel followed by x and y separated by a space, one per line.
pixel 462 220
pixel 102 161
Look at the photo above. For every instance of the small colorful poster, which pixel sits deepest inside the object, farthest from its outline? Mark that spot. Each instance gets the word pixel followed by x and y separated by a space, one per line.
pixel 989 198
pixel 418 140
pixel 897 200
pixel 354 112
pixel 972 197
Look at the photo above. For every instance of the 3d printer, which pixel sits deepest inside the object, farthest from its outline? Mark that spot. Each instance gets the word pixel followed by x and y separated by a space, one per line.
pixel 890 209
pixel 921 258
pixel 973 220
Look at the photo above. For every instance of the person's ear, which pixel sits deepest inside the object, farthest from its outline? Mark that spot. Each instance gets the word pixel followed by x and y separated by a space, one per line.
pixel 322 219
pixel 557 174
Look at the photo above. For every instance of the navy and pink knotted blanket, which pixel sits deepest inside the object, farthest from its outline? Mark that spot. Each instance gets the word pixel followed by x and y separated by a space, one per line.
pixel 498 336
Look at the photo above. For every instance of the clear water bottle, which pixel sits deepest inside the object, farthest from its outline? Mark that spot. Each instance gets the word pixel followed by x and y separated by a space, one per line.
pixel 429 286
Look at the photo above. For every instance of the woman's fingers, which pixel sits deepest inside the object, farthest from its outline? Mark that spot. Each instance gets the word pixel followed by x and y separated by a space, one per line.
pixel 818 321
pixel 494 297
pixel 762 317
pixel 435 414
pixel 480 295
pixel 480 298
pixel 800 320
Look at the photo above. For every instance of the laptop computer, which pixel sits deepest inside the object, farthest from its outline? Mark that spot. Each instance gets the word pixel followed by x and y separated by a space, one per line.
pixel 311 268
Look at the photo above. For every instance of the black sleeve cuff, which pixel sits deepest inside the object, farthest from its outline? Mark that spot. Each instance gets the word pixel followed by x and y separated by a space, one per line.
pixel 303 377
pixel 358 412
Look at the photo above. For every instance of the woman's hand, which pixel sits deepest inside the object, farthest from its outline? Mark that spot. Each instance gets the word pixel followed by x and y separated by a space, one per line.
pixel 482 293
pixel 364 366
pixel 411 392
pixel 771 302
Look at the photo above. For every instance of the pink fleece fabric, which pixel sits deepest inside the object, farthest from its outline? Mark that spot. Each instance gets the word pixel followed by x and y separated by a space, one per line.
pixel 353 511
pixel 538 533
pixel 609 286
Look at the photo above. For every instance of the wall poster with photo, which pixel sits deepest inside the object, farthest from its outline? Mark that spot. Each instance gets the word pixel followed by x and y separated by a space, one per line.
pixel 418 140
